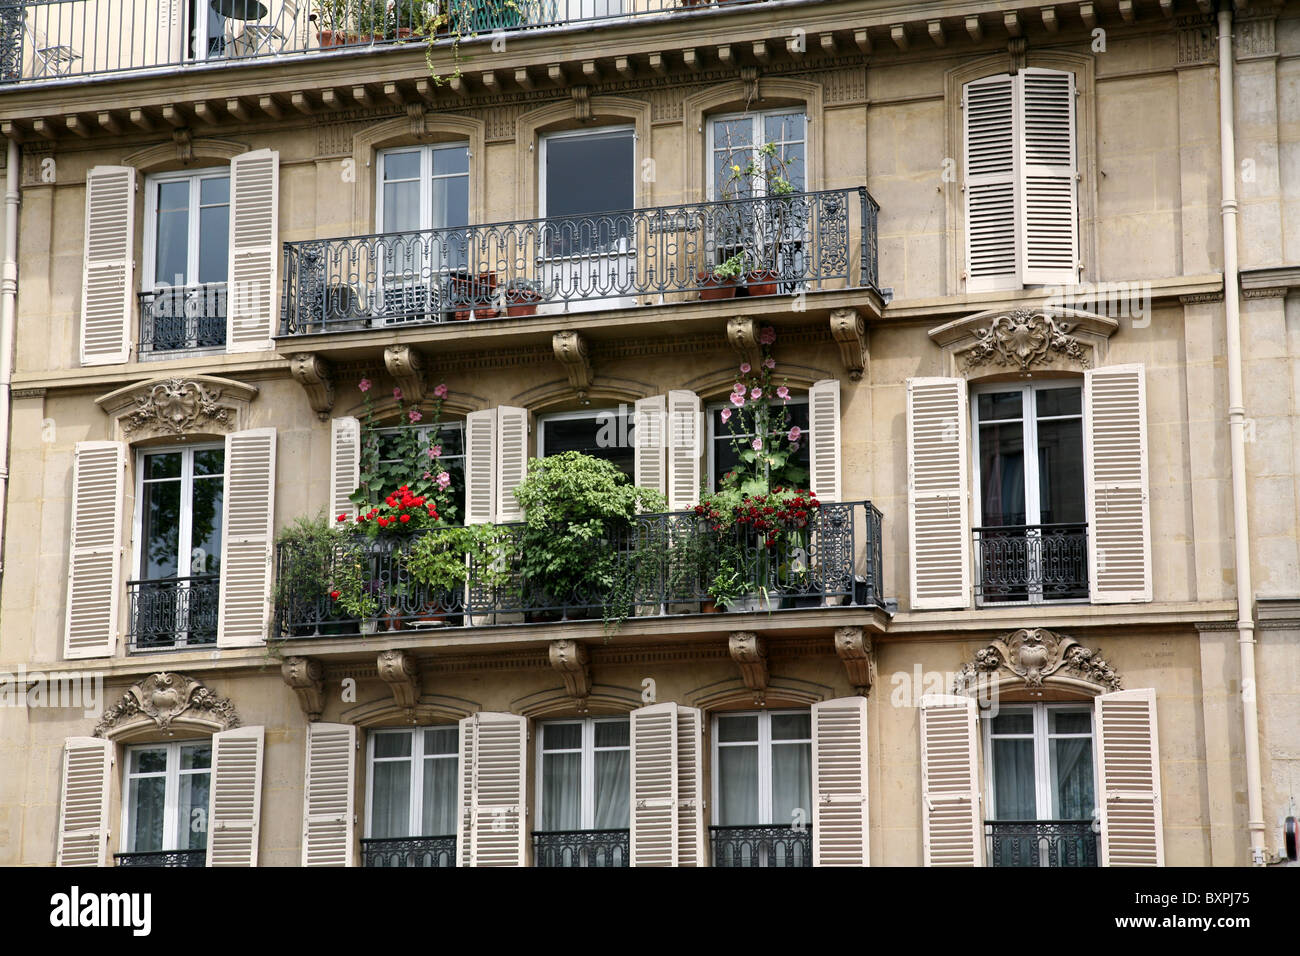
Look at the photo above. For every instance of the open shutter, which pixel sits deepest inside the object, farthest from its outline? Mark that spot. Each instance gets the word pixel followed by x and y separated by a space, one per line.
pixel 938 525
pixel 108 266
pixel 83 807
pixel 654 785
pixel 824 417
pixel 952 830
pixel 1049 243
pixel 246 538
pixel 839 781
pixel 989 111
pixel 480 467
pixel 345 465
pixel 327 812
pixel 493 755
pixel 95 565
pixel 690 787
pixel 234 819
pixel 254 252
pixel 649 454
pixel 512 460
pixel 685 444
pixel 1132 833
pixel 1115 450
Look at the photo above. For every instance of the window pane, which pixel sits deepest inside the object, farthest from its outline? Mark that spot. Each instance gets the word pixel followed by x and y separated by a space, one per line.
pixel 791 783
pixel 1072 796
pixel 726 435
pixel 603 435
pixel 1013 780
pixel 737 786
pixel 404 165
pixel 732 142
pixel 390 804
pixel 214 243
pixel 792 726
pixel 172 239
pixel 210 461
pixel 450 159
pixel 393 745
pixel 147 800
pixel 205 548
pixel 162 466
pixel 999 405
pixel 196 756
pixel 1002 473
pixel 450 202
pixel 438 817
pixel 441 741
pixel 613 733
pixel 586 174
pixel 192 812
pixel 162 517
pixel 149 761
pixel 1069 722
pixel 561 736
pixel 214 191
pixel 1060 471
pixel 613 788
pixel 561 791
pixel 742 728
pixel 1013 722
pixel 401 210
pixel 1059 401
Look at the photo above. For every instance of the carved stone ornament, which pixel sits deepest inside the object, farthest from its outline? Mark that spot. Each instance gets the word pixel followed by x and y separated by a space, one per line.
pixel 1034 654
pixel 749 651
pixel 742 333
pixel 573 662
pixel 162 698
pixel 571 351
pixel 401 672
pixel 406 366
pixel 854 648
pixel 306 676
pixel 849 329
pixel 1023 339
pixel 176 406
pixel 316 377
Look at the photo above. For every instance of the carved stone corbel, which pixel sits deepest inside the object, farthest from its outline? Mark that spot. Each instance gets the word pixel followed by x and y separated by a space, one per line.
pixel 749 651
pixel 749 76
pixel 184 140
pixel 306 676
pixel 1017 48
pixel 854 648
pixel 571 351
pixel 574 664
pixel 406 365
pixel 400 671
pixel 850 330
pixel 581 102
pixel 742 333
pixel 314 374
pixel 415 114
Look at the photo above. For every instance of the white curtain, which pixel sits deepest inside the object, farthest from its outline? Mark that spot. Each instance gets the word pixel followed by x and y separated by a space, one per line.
pixel 791 783
pixel 561 791
pixel 613 786
pixel 390 803
pixel 1073 798
pixel 439 811
pixel 738 786
pixel 1013 779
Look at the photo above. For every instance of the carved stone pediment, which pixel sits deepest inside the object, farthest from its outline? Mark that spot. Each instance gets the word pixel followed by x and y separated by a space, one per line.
pixel 1024 341
pixel 1033 655
pixel 165 697
pixel 175 407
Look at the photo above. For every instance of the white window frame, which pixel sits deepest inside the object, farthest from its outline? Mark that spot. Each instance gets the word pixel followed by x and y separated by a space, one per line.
pixel 151 184
pixel 592 414
pixel 1042 753
pixel 765 745
pixel 587 751
pixel 185 537
pixel 415 811
pixel 711 410
pixel 426 179
pixel 758 118
pixel 171 793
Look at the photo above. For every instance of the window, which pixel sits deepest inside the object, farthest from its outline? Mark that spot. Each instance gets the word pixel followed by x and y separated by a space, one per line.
pixel 178 527
pixel 762 768
pixel 723 458
pixel 412 782
pixel 165 808
pixel 206 30
pixel 451 436
pixel 583 774
pixel 734 138
pixel 604 433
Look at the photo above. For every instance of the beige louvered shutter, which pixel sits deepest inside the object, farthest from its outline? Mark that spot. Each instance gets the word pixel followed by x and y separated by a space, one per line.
pixel 95 562
pixel 989 121
pixel 468 735
pixel 83 807
pixel 1115 455
pixel 108 266
pixel 937 497
pixel 839 783
pixel 1049 218
pixel 654 785
pixel 952 828
pixel 493 815
pixel 234 817
pixel 345 465
pixel 481 467
pixel 1132 831
pixel 254 251
pixel 824 419
pixel 685 445
pixel 649 459
pixel 246 538
pixel 691 828
pixel 328 795
pixel 512 460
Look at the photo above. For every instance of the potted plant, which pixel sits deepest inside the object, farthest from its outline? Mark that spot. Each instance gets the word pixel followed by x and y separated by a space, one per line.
pixel 726 588
pixel 352 587
pixel 472 294
pixel 442 560
pixel 766 218
pixel 720 281
pixel 521 298
pixel 331 22
pixel 373 21
pixel 306 552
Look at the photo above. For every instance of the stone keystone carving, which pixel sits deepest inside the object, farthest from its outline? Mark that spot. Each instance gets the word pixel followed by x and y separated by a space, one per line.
pixel 1022 339
pixel 163 697
pixel 177 406
pixel 1033 654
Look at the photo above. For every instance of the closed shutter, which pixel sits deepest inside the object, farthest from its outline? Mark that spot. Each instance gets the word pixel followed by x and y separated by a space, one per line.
pixel 328 795
pixel 1132 832
pixel 989 114
pixel 839 780
pixel 1047 178
pixel 952 829
pixel 254 250
pixel 685 438
pixel 690 787
pixel 345 465
pixel 246 538
pixel 108 266
pixel 649 454
pixel 480 467
pixel 654 785
pixel 937 498
pixel 234 820
pixel 824 418
pixel 83 805
pixel 512 460
pixel 95 563
pixel 1115 451
pixel 493 827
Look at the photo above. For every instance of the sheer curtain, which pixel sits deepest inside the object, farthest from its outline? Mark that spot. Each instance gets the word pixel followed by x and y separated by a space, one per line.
pixel 613 783
pixel 791 783
pixel 1073 794
pixel 439 810
pixel 738 786
pixel 1013 779
pixel 561 791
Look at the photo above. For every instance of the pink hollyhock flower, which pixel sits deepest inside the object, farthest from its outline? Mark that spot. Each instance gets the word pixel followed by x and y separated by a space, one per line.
pixel 397 394
pixel 769 363
pixel 794 446
pixel 726 414
pixel 444 480
pixel 783 393
pixel 440 391
pixel 756 393
pixel 738 399
pixel 794 433
pixel 744 368
pixel 364 385
pixel 428 474
pixel 738 388
pixel 414 415
pixel 767 335
pixel 435 451
pixel 757 444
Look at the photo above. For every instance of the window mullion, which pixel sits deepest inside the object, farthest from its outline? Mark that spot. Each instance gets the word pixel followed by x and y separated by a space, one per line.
pixel 416 809
pixel 588 758
pixel 171 792
pixel 1042 760
pixel 185 533
pixel 192 256
pixel 765 766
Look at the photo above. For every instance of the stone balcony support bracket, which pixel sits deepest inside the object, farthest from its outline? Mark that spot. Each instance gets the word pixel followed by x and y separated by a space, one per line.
pixel 406 366
pixel 573 662
pixel 742 333
pixel 854 648
pixel 749 651
pixel 571 351
pixel 315 375
pixel 306 676
pixel 849 329
pixel 400 671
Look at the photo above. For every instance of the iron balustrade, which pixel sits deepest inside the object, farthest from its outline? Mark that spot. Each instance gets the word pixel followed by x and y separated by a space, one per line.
pixel 183 317
pixel 173 612
pixel 429 852
pixel 663 563
pixel 774 845
pixel 576 848
pixel 1041 842
pixel 162 858
pixel 800 242
pixel 1031 563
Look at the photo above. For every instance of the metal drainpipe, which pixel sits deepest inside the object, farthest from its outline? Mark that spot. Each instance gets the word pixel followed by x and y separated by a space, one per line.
pixel 1237 438
pixel 8 309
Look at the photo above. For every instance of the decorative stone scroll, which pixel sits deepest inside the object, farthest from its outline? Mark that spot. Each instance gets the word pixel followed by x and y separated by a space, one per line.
pixel 306 676
pixel 573 662
pixel 316 377
pixel 749 651
pixel 854 649
pixel 1023 339
pixel 162 698
pixel 849 329
pixel 571 351
pixel 1034 655
pixel 174 407
pixel 401 672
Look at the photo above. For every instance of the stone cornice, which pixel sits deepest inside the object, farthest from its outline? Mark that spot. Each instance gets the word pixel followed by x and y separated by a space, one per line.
pixel 1280 277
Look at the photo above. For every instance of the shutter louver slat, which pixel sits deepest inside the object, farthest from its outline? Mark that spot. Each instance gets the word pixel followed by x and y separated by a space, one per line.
pixel 512 461
pixel 95 563
pixel 840 820
pixel 493 759
pixel 480 467
pixel 345 465
pixel 254 252
pixel 1132 831
pixel 648 466
pixel 654 783
pixel 691 807
pixel 108 269
pixel 952 830
pixel 328 795
pixel 234 815
pixel 1048 188
pixel 991 260
pixel 824 417
pixel 938 525
pixel 685 430
pixel 246 538
pixel 83 809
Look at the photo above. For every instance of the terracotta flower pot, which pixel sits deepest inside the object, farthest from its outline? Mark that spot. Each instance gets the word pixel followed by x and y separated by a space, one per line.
pixel 708 606
pixel 333 38
pixel 715 287
pixel 761 282
pixel 522 303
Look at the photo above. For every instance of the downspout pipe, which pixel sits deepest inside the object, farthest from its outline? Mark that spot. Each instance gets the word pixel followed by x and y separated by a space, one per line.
pixel 1237 441
pixel 8 311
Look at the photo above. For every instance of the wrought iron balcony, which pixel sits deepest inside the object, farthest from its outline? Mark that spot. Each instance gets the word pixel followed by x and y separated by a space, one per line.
pixel 581 847
pixel 795 243
pixel 429 852
pixel 173 613
pixel 761 846
pixel 162 858
pixel 175 318
pixel 661 563
pixel 1041 842
pixel 1030 564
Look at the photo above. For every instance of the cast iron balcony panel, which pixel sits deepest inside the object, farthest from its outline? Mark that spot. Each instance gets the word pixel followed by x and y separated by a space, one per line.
pixel 780 845
pixel 173 613
pixel 427 852
pixel 1041 842
pixel 801 242
pixel 1031 564
pixel 581 847
pixel 180 318
pixel 162 858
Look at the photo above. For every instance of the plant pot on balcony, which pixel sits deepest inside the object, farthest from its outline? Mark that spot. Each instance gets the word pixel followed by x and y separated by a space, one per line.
pixel 749 603
pixel 715 287
pixel 522 302
pixel 369 627
pixel 709 606
pixel 473 294
pixel 761 282
pixel 332 38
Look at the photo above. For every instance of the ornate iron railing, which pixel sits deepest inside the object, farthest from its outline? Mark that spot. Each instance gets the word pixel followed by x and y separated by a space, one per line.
pixel 657 564
pixel 45 40
pixel 795 243
pixel 162 858
pixel 761 846
pixel 183 317
pixel 1041 842
pixel 581 847
pixel 430 852
pixel 173 612
pixel 1031 563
